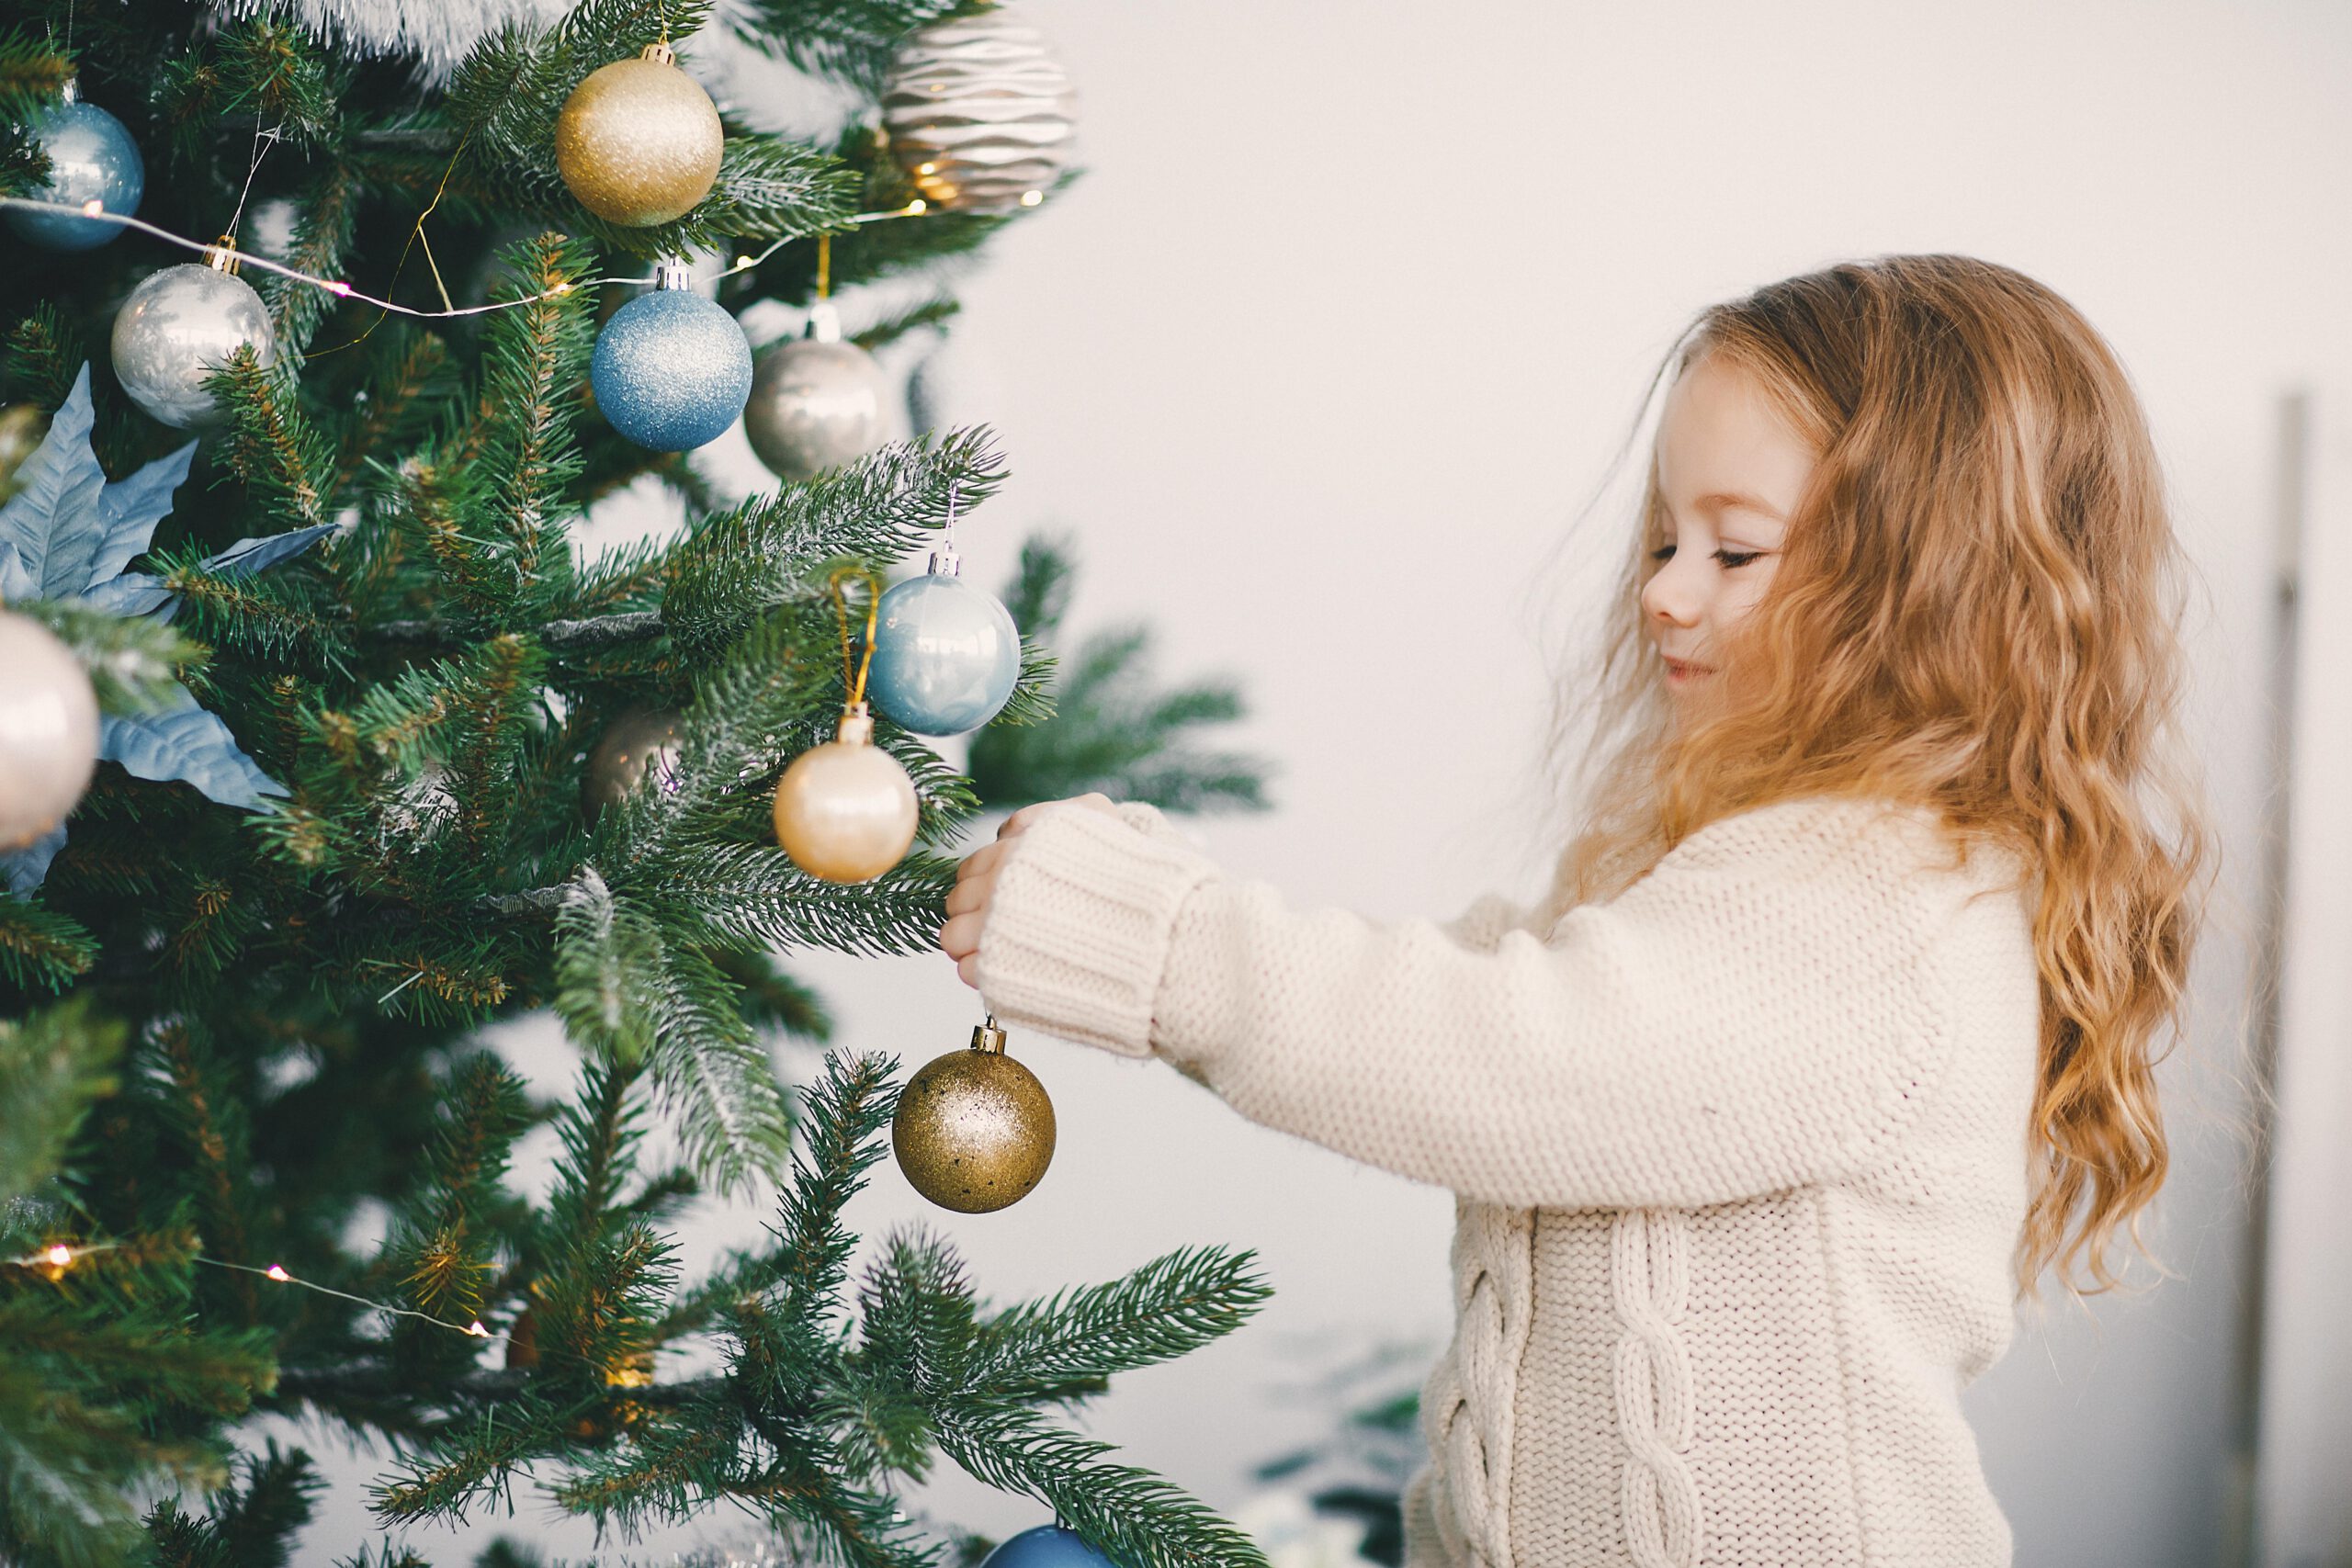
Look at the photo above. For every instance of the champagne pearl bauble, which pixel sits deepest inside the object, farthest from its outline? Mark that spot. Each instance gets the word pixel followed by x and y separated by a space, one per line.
pixel 946 652
pixel 817 402
pixel 640 742
pixel 176 328
pixel 638 141
pixel 845 811
pixel 91 158
pixel 974 1130
pixel 49 730
pixel 979 113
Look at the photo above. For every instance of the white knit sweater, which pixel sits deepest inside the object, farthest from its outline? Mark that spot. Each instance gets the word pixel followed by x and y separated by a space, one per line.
pixel 1738 1155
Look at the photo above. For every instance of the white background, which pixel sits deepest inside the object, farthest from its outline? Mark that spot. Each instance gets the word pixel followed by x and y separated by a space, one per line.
pixel 1320 361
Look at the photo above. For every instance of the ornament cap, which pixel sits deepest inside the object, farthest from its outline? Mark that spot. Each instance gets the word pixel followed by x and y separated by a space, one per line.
pixel 70 90
pixel 824 322
pixel 222 255
pixel 988 1036
pixel 856 725
pixel 672 272
pixel 659 52
pixel 946 562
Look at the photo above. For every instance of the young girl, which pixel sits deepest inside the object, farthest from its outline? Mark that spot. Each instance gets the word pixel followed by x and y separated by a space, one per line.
pixel 1837 1016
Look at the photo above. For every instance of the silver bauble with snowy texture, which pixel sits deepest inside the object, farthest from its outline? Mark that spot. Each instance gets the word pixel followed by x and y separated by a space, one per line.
pixel 979 113
pixel 178 327
pixel 49 730
pixel 817 402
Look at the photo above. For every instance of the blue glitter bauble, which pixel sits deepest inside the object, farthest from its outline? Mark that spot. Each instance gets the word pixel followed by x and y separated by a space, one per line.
pixel 90 156
pixel 945 655
pixel 671 371
pixel 1048 1546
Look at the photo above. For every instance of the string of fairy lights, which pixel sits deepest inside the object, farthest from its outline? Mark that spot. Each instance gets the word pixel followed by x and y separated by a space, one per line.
pixel 59 1256
pixel 340 288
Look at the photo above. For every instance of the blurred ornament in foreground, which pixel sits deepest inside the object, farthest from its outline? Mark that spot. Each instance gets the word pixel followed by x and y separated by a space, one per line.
pixel 817 401
pixel 181 324
pixel 979 113
pixel 49 730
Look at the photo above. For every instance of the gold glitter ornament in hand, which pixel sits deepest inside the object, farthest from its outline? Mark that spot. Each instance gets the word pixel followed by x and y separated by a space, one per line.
pixel 974 1129
pixel 845 811
pixel 638 141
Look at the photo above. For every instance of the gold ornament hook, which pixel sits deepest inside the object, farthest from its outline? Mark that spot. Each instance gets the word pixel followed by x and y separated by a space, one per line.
pixel 855 682
pixel 222 255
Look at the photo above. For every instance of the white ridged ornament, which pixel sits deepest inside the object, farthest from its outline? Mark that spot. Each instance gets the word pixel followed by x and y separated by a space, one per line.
pixel 980 114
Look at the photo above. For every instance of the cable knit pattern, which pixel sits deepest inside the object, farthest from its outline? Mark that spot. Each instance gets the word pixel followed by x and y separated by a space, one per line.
pixel 1738 1158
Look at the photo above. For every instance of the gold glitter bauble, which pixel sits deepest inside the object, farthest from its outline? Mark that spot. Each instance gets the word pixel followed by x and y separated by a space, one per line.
pixel 638 141
pixel 979 113
pixel 845 811
pixel 974 1130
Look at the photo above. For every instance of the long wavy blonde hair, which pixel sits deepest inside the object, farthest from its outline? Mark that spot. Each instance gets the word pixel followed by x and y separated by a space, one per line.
pixel 1976 610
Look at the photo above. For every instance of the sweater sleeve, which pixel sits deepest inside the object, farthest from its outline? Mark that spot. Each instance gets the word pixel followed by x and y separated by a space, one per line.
pixel 1758 1012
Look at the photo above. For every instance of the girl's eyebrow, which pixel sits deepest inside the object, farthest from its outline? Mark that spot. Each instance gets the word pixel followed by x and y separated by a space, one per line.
pixel 1741 499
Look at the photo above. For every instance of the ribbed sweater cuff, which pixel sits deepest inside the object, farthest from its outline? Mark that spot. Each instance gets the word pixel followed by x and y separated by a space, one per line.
pixel 1077 933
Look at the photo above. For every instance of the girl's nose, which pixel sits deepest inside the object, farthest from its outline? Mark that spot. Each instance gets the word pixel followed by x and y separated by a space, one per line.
pixel 1665 599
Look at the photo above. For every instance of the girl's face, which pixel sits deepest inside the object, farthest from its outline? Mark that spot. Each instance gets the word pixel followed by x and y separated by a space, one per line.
pixel 1729 471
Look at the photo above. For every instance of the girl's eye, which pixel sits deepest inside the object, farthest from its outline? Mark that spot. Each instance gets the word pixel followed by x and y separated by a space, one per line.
pixel 1732 559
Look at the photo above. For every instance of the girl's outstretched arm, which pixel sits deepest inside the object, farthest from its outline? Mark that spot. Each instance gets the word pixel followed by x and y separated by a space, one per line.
pixel 1764 1010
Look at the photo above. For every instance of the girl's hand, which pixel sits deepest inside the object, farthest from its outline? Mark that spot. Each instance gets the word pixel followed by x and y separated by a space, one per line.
pixel 967 902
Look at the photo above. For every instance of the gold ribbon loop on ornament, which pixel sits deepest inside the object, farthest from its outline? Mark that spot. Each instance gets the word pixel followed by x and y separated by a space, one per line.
pixel 856 682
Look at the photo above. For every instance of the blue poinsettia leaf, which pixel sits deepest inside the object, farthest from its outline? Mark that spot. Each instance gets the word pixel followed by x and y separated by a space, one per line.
pixel 25 867
pixel 131 593
pixel 52 522
pixel 16 580
pixel 69 529
pixel 248 556
pixel 188 742
pixel 133 507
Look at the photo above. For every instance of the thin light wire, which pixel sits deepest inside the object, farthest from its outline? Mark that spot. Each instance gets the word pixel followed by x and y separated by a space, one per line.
pixel 263 142
pixel 345 291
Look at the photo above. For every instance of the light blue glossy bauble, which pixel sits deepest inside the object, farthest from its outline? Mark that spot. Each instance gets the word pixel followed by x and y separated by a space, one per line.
pixel 671 371
pixel 90 156
pixel 945 655
pixel 1048 1546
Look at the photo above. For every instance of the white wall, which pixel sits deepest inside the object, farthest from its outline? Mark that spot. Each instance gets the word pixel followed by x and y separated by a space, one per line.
pixel 1319 360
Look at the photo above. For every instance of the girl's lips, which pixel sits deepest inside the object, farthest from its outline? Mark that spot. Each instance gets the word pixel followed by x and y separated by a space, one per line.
pixel 1679 670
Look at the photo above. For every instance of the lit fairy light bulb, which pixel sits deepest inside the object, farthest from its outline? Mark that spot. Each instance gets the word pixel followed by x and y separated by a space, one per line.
pixel 918 205
pixel 1032 198
pixel 277 1272
pixel 93 206
pixel 60 1256
pixel 477 1330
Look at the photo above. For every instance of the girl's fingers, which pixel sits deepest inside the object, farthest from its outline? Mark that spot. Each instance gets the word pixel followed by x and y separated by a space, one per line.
pixel 968 971
pixel 960 937
pixel 980 861
pixel 968 894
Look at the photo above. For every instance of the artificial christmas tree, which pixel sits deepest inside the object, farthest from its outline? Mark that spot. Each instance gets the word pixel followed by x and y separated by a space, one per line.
pixel 354 683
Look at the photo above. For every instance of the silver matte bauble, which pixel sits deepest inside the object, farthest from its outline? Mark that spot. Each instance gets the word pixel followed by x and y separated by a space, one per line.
pixel 178 327
pixel 817 402
pixel 49 730
pixel 978 114
pixel 640 741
